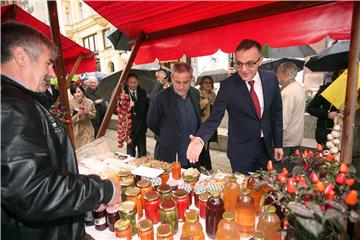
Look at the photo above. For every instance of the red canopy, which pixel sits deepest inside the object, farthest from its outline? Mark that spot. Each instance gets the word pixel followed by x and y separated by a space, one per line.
pixel 198 28
pixel 71 50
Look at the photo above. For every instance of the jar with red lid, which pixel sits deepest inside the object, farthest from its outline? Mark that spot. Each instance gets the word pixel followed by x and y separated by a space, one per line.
pixel 168 214
pixel 145 187
pixel 123 229
pixel 165 192
pixel 100 218
pixel 112 215
pixel 164 232
pixel 133 194
pixel 181 197
pixel 145 230
pixel 152 206
pixel 203 198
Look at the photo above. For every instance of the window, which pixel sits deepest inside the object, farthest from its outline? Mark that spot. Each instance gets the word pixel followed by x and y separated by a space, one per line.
pixel 98 66
pixel 107 43
pixel 91 42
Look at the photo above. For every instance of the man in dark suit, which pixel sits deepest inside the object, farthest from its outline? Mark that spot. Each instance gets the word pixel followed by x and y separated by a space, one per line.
pixel 139 115
pixel 253 101
pixel 174 114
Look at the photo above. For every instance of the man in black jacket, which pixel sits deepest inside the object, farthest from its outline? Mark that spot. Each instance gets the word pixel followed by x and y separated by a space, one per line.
pixel 42 194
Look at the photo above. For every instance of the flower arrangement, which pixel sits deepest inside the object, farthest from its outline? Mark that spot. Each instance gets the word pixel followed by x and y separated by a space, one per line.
pixel 58 110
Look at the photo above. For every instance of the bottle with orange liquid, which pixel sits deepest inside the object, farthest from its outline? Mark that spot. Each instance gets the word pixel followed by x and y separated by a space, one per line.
pixel 231 193
pixel 176 169
pixel 192 226
pixel 245 213
pixel 269 223
pixel 227 228
pixel 258 189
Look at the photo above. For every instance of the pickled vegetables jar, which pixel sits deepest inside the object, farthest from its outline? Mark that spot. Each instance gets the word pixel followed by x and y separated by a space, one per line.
pixel 133 194
pixel 227 228
pixel 128 211
pixel 164 232
pixel 123 229
pixel 181 197
pixel 145 187
pixel 168 214
pixel 245 213
pixel 213 213
pixel 269 223
pixel 126 180
pixel 165 192
pixel 192 227
pixel 152 206
pixel 145 230
pixel 231 193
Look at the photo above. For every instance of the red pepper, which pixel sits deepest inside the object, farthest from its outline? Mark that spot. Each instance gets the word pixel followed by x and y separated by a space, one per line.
pixel 297 152
pixel 291 188
pixel 328 188
pixel 285 171
pixel 311 154
pixel 307 198
pixel 302 181
pixel 330 195
pixel 350 182
pixel 314 178
pixel 320 186
pixel 329 157
pixel 269 165
pixel 307 165
pixel 306 153
pixel 319 147
pixel 340 178
pixel 281 178
pixel 286 223
pixel 351 198
pixel 344 168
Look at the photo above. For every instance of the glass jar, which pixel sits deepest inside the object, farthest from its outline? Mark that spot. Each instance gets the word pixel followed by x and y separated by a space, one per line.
pixel 181 197
pixel 176 170
pixel 230 195
pixel 203 198
pixel 112 215
pixel 145 187
pixel 168 214
pixel 199 189
pixel 152 206
pixel 165 176
pixel 192 227
pixel 128 211
pixel 126 180
pixel 100 218
pixel 145 230
pixel 245 213
pixel 165 192
pixel 269 223
pixel 227 228
pixel 164 232
pixel 133 194
pixel 123 229
pixel 213 213
pixel 258 188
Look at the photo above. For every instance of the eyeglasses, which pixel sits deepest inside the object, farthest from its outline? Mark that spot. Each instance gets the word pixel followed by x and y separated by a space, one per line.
pixel 249 64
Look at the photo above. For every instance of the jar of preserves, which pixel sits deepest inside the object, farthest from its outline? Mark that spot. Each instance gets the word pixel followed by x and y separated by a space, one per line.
pixel 168 214
pixel 165 192
pixel 203 198
pixel 112 214
pixel 128 211
pixel 152 206
pixel 164 232
pixel 190 180
pixel 123 229
pixel 245 213
pixel 213 213
pixel 199 189
pixel 176 170
pixel 126 180
pixel 192 226
pixel 227 228
pixel 133 194
pixel 100 218
pixel 181 197
pixel 145 230
pixel 165 176
pixel 258 189
pixel 269 223
pixel 231 193
pixel 145 187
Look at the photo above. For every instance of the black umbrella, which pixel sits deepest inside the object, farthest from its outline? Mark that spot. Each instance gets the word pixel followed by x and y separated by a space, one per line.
pixel 274 64
pixel 217 75
pixel 333 58
pixel 119 40
pixel 288 52
pixel 107 85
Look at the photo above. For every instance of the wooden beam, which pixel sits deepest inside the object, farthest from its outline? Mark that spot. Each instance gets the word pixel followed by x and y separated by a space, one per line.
pixel 239 16
pixel 351 87
pixel 59 62
pixel 119 86
pixel 73 70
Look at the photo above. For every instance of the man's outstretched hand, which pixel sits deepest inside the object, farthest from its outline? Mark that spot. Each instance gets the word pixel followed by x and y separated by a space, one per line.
pixel 194 149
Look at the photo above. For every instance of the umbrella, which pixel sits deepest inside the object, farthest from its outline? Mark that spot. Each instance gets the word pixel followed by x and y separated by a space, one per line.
pixel 288 52
pixel 107 85
pixel 217 75
pixel 99 75
pixel 151 67
pixel 119 40
pixel 333 58
pixel 272 65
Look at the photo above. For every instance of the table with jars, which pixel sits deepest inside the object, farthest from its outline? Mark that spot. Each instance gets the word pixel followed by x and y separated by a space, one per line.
pixel 177 206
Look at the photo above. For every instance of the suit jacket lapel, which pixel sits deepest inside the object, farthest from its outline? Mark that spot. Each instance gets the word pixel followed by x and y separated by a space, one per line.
pixel 264 88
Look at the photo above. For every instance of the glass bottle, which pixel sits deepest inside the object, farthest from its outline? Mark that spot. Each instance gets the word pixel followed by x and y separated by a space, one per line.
pixel 133 194
pixel 128 211
pixel 165 192
pixel 145 230
pixel 145 187
pixel 123 229
pixel 269 223
pixel 181 197
pixel 227 228
pixel 245 213
pixel 203 198
pixel 112 215
pixel 231 193
pixel 152 206
pixel 192 227
pixel 213 213
pixel 164 232
pixel 165 176
pixel 168 214
pixel 100 218
pixel 258 188
pixel 176 170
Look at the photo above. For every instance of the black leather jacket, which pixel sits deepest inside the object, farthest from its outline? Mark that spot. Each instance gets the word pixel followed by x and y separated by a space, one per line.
pixel 42 195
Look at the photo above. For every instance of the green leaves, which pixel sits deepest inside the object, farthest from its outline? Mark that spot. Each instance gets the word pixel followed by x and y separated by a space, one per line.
pixel 313 226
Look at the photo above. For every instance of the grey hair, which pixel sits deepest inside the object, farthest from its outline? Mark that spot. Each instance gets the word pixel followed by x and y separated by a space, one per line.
pixel 181 68
pixel 289 68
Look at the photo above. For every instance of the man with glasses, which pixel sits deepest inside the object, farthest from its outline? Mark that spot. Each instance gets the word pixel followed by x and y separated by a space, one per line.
pixel 253 101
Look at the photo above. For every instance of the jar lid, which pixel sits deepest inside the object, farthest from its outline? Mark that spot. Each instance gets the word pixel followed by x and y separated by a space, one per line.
pixel 204 197
pixel 191 217
pixel 164 188
pixel 258 236
pixel 168 205
pixel 245 191
pixel 143 183
pixel 269 208
pixel 127 181
pixel 145 225
pixel 215 193
pixel 151 196
pixel 189 178
pixel 122 224
pixel 127 206
pixel 132 191
pixel 180 193
pixel 124 173
pixel 229 216
pixel 164 230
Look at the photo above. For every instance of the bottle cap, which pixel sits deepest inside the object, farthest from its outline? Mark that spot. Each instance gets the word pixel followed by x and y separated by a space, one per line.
pixel 168 205
pixel 229 216
pixel 122 224
pixel 132 191
pixel 144 225
pixel 127 206
pixel 143 183
pixel 164 230
pixel 180 193
pixel 164 188
pixel 151 196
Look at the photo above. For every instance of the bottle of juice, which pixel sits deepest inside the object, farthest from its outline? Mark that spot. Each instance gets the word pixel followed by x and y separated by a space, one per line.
pixel 269 223
pixel 192 227
pixel 245 213
pixel 227 228
pixel 231 193
pixel 213 213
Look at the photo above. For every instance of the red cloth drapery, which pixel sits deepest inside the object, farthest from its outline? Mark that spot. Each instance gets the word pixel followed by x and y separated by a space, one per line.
pixel 291 28
pixel 71 50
